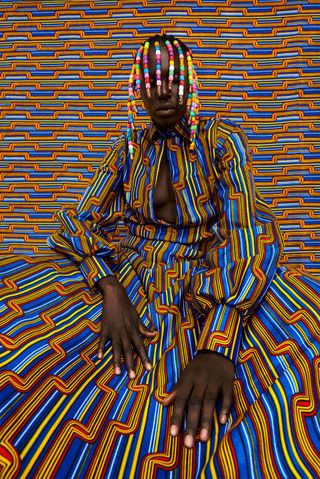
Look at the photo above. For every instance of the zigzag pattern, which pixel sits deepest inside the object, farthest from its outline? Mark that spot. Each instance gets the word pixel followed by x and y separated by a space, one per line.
pixel 63 97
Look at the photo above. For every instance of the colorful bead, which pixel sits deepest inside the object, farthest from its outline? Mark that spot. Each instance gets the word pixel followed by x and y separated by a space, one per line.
pixel 137 65
pixel 158 66
pixel 190 79
pixel 181 61
pixel 171 63
pixel 146 68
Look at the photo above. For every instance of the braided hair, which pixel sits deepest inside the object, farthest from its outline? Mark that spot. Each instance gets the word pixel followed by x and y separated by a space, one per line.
pixel 142 61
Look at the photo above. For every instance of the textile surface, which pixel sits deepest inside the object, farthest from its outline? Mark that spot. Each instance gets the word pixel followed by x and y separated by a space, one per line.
pixel 64 72
pixel 211 280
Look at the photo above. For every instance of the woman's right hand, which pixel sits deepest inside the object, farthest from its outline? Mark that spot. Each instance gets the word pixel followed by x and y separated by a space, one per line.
pixel 122 324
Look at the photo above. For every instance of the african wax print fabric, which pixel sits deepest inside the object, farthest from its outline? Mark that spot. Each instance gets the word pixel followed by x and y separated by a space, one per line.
pixel 211 280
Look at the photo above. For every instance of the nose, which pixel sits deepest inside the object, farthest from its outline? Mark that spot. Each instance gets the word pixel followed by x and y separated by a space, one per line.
pixel 164 91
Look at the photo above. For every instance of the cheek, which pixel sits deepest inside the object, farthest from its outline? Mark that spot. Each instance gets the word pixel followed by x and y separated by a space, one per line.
pixel 144 99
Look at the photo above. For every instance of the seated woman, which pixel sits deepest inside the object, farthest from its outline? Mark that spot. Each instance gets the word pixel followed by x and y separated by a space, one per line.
pixel 205 365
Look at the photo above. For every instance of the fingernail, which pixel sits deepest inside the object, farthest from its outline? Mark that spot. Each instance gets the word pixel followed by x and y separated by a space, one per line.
pixel 188 441
pixel 204 434
pixel 148 366
pixel 117 370
pixel 223 418
pixel 132 374
pixel 174 430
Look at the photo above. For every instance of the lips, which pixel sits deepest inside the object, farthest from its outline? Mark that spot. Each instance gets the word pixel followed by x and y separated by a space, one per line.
pixel 165 107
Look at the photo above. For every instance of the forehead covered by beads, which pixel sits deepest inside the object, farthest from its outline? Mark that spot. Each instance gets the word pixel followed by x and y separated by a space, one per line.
pixel 189 77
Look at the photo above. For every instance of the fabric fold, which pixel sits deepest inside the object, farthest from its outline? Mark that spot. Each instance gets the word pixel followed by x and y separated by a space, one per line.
pixel 242 262
pixel 85 232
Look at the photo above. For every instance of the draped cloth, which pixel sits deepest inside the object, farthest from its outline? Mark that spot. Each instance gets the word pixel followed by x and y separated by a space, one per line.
pixel 210 281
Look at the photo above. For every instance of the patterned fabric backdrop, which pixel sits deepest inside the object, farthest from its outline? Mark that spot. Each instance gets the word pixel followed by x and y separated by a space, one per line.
pixel 64 70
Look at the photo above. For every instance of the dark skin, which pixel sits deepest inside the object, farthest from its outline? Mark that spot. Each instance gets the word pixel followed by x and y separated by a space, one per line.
pixel 209 375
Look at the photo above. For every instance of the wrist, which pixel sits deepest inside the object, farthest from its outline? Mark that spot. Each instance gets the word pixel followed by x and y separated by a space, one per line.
pixel 106 283
pixel 209 352
pixel 203 351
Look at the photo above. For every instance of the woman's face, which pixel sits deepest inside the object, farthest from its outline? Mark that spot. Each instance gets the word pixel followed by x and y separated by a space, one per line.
pixel 164 109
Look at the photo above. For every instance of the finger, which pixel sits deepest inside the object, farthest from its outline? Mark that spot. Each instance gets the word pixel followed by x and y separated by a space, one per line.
pixel 180 403
pixel 170 398
pixel 102 341
pixel 116 350
pixel 152 328
pixel 147 332
pixel 226 403
pixel 141 350
pixel 193 415
pixel 209 404
pixel 127 355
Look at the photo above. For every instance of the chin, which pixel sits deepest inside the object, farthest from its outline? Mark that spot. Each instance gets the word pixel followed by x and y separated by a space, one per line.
pixel 166 122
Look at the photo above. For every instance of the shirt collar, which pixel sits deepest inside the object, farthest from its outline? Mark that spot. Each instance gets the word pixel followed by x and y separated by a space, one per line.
pixel 181 129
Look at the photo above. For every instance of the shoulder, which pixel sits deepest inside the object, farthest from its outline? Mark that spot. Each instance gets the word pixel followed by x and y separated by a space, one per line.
pixel 218 127
pixel 227 139
pixel 220 132
pixel 115 155
pixel 119 143
pixel 225 135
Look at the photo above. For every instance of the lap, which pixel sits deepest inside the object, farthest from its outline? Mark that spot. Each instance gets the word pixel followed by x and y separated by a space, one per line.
pixel 57 395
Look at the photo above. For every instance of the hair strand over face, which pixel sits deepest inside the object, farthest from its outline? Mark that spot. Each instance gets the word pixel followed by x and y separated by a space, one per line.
pixel 134 85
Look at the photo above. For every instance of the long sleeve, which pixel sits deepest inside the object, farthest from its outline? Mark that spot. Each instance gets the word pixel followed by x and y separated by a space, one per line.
pixel 84 233
pixel 242 261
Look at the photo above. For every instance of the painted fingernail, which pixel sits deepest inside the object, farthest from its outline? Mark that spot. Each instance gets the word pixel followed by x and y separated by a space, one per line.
pixel 188 441
pixel 174 430
pixel 204 434
pixel 132 374
pixel 117 370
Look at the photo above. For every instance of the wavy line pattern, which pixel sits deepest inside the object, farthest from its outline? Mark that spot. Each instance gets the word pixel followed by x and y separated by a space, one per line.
pixel 64 70
pixel 209 281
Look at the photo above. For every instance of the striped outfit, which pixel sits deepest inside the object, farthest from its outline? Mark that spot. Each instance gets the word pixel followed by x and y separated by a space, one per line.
pixel 210 281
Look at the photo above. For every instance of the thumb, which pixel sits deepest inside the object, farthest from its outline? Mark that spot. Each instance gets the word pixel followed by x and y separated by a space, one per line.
pixel 147 332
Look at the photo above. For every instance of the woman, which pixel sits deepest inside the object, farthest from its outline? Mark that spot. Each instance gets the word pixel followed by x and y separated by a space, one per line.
pixel 207 347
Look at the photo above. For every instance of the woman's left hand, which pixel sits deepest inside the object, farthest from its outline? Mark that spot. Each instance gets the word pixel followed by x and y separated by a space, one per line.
pixel 206 377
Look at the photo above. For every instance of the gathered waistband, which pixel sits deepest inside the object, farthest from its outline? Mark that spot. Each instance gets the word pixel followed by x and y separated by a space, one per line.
pixel 162 253
pixel 190 235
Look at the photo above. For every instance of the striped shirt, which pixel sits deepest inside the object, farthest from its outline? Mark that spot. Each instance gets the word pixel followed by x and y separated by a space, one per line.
pixel 219 211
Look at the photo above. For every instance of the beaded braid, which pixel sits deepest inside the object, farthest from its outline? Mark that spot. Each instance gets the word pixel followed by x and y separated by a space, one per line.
pixel 134 84
pixel 135 73
pixel 181 62
pixel 146 68
pixel 158 66
pixel 137 69
pixel 192 101
pixel 171 62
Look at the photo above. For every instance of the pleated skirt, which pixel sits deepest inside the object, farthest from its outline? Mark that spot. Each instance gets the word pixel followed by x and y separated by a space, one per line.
pixel 64 414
